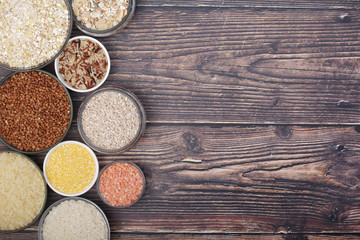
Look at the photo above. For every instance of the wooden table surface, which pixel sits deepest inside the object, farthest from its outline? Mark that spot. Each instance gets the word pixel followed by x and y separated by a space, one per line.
pixel 253 113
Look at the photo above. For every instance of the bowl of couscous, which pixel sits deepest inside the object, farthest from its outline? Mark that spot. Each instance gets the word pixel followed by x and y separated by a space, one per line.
pixel 70 168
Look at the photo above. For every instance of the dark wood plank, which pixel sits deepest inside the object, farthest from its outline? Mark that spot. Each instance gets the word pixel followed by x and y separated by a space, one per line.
pixel 316 4
pixel 236 236
pixel 216 65
pixel 229 179
pixel 241 66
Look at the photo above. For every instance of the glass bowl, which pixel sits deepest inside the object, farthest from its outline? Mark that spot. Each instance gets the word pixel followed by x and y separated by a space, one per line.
pixel 103 123
pixel 45 192
pixel 50 58
pixel 56 64
pixel 48 210
pixel 132 202
pixel 88 187
pixel 5 142
pixel 110 31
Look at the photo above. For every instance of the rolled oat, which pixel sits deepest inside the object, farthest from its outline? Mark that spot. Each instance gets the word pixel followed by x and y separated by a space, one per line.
pixel 31 31
pixel 100 14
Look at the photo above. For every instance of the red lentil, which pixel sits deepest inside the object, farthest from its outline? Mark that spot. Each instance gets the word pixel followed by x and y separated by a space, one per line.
pixel 35 111
pixel 121 184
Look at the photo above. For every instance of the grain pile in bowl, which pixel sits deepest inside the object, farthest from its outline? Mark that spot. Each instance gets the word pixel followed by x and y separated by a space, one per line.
pixel 70 168
pixel 22 191
pixel 100 14
pixel 75 219
pixel 31 31
pixel 35 111
pixel 83 64
pixel 111 120
pixel 121 184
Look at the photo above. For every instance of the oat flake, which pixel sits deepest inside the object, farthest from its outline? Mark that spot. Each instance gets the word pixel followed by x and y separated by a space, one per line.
pixel 31 31
pixel 100 14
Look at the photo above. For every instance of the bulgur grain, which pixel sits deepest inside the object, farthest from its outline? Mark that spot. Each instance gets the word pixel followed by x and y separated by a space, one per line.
pixel 110 120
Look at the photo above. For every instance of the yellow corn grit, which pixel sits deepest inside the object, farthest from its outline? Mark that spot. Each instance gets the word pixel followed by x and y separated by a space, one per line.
pixel 70 168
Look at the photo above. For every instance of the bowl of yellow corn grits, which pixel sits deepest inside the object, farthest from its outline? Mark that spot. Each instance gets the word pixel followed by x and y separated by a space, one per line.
pixel 71 168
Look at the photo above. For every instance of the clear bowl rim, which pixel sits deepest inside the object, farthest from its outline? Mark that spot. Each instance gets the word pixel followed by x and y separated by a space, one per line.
pixel 139 133
pixel 45 192
pixel 47 62
pixel 70 120
pixel 93 181
pixel 108 32
pixel 47 211
pixel 109 165
pixel 56 65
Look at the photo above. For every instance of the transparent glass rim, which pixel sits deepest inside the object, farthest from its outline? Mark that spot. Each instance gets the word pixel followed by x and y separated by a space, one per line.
pixel 5 79
pixel 45 192
pixel 107 32
pixel 46 212
pixel 139 133
pixel 41 65
pixel 109 165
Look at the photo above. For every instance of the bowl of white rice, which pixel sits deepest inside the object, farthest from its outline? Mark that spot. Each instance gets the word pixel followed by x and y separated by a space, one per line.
pixel 23 191
pixel 74 218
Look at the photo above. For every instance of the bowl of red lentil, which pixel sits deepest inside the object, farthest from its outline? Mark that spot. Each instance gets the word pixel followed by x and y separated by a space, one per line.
pixel 35 32
pixel 111 120
pixel 35 111
pixel 71 168
pixel 83 65
pixel 121 184
pixel 101 18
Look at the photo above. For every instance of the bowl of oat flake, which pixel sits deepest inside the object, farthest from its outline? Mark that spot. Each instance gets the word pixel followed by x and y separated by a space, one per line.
pixel 101 18
pixel 83 65
pixel 33 32
pixel 111 120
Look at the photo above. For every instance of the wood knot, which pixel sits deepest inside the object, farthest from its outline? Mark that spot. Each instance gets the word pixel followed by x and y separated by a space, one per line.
pixel 336 213
pixel 338 148
pixel 344 18
pixel 276 102
pixel 192 143
pixel 284 132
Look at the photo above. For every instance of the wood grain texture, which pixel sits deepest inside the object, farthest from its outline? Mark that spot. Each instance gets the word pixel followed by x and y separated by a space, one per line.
pixel 280 4
pixel 255 179
pixel 253 120
pixel 241 66
pixel 215 65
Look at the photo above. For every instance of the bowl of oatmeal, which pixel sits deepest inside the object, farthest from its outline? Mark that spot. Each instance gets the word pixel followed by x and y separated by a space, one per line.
pixel 101 18
pixel 83 65
pixel 33 33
